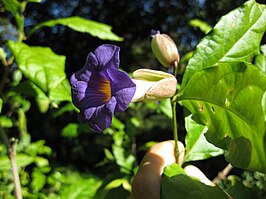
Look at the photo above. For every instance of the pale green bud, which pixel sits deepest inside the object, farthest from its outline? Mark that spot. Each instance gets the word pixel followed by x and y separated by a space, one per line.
pixel 153 85
pixel 164 48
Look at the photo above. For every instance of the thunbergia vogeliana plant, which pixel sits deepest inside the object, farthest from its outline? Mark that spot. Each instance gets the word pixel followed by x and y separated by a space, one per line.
pixel 99 89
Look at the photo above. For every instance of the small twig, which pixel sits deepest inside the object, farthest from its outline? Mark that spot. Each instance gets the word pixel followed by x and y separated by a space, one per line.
pixel 222 174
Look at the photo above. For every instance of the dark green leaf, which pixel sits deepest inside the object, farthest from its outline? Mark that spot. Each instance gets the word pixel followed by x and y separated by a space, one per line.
pixel 44 68
pixel 180 185
pixel 236 37
pixel 197 147
pixel 79 24
pixel 227 99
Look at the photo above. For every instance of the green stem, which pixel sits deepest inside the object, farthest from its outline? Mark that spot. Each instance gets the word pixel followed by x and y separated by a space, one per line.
pixel 175 130
pixel 174 117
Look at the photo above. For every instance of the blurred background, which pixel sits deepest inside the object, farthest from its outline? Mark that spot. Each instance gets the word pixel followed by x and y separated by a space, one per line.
pixel 92 159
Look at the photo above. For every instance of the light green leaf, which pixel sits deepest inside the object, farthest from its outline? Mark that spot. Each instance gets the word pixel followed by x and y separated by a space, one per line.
pixel 70 131
pixel 38 180
pixel 1 104
pixel 12 6
pixel 227 99
pixel 44 68
pixel 180 185
pixel 5 122
pixel 21 159
pixel 202 25
pixel 260 60
pixel 235 38
pixel 79 24
pixel 197 147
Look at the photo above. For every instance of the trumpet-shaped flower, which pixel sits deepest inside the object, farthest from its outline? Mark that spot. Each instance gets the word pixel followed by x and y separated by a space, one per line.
pixel 99 89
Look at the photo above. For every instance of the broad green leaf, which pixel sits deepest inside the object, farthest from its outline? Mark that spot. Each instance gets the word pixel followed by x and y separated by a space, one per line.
pixel 79 24
pixel 227 99
pixel 180 185
pixel 44 68
pixel 197 147
pixel 12 6
pixel 202 25
pixel 235 38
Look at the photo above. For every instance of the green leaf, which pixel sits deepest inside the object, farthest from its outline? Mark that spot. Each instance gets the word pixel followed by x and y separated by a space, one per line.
pixel 235 38
pixel 1 105
pixel 239 191
pixel 70 130
pixel 202 25
pixel 179 185
pixel 12 6
pixel 38 180
pixel 5 122
pixel 227 99
pixel 197 147
pixel 96 29
pixel 21 159
pixel 44 68
pixel 260 60
pixel 30 89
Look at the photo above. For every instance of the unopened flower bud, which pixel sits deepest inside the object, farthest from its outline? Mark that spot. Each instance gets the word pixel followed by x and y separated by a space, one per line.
pixel 153 85
pixel 164 48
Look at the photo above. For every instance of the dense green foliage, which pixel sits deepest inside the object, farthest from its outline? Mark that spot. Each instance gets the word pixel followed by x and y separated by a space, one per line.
pixel 222 95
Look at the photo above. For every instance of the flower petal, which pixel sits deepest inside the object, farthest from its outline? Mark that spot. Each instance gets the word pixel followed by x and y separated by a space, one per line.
pixel 91 62
pixel 86 115
pixel 102 117
pixel 107 56
pixel 122 87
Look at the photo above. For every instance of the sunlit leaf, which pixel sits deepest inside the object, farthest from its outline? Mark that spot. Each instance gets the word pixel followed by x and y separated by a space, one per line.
pixel 176 184
pixel 12 5
pixel 202 25
pixel 1 104
pixel 236 37
pixel 5 122
pixel 70 130
pixel 44 68
pixel 197 147
pixel 38 180
pixel 227 99
pixel 79 24
pixel 260 60
pixel 22 160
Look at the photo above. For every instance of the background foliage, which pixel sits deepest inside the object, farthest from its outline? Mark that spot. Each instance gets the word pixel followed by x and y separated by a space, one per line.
pixel 43 43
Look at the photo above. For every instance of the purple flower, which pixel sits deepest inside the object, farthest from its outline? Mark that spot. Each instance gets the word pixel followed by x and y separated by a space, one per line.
pixel 99 89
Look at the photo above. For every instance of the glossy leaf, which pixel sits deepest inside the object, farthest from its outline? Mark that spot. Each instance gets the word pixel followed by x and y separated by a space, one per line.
pixel 227 99
pixel 176 184
pixel 79 24
pixel 197 147
pixel 44 68
pixel 236 37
